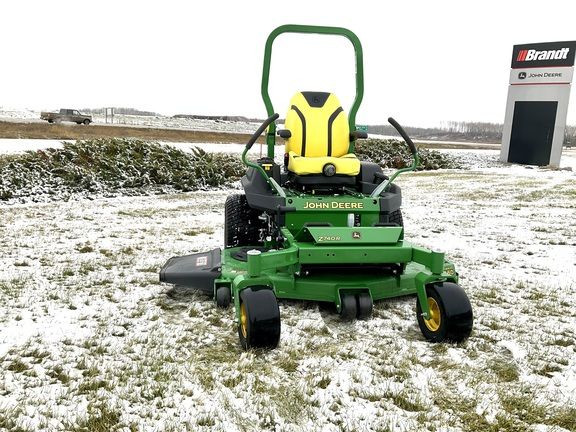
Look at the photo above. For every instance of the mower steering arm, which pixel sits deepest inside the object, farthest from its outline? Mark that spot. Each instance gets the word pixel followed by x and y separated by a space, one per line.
pixel 384 185
pixel 259 131
pixel 257 167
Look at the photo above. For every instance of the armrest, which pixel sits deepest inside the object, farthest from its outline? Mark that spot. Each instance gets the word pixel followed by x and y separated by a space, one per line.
pixel 284 133
pixel 358 135
pixel 380 176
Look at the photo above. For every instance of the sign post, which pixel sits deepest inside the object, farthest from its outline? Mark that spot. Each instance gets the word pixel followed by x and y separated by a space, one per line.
pixel 109 113
pixel 537 105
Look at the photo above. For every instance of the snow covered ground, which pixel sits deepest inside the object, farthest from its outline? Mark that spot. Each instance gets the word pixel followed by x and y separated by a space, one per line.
pixel 90 340
pixel 12 146
pixel 10 114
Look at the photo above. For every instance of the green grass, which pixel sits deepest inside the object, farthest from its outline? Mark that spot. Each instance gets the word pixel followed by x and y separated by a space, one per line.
pixel 37 355
pixel 67 272
pixel 86 268
pixel 107 253
pixel 7 422
pixel 94 385
pixel 85 248
pixel 101 418
pixel 17 366
pixel 518 409
pixel 57 372
pixel 198 231
pixel 548 369
pixel 564 342
pixel 506 370
pixel 288 400
pixel 403 401
pixel 11 288
pixel 205 420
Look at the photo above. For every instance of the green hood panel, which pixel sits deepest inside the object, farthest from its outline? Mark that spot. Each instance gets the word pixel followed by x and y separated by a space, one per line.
pixel 353 235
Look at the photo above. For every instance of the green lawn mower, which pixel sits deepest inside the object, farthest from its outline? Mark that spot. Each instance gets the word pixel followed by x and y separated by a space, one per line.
pixel 325 227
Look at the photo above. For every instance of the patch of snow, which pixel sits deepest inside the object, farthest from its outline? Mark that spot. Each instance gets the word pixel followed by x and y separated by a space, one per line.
pixel 12 146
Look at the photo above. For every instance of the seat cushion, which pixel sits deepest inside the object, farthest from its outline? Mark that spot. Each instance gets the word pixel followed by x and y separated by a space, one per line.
pixel 347 164
pixel 318 125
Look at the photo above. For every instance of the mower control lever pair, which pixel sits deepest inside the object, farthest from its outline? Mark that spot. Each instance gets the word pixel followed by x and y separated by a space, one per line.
pixel 250 143
pixel 261 129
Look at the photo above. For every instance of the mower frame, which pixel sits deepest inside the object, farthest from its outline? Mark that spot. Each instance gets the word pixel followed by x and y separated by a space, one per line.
pixel 343 248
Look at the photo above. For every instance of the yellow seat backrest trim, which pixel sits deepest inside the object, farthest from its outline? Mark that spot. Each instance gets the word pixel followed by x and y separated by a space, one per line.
pixel 317 131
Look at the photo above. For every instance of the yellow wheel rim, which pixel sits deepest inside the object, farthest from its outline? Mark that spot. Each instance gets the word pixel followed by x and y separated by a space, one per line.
pixel 243 320
pixel 433 323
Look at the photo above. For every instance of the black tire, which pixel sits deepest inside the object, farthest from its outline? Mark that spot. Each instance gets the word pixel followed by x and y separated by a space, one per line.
pixel 223 297
pixel 396 217
pixel 348 307
pixel 259 325
pixel 364 305
pixel 452 319
pixel 86 122
pixel 242 225
pixel 50 121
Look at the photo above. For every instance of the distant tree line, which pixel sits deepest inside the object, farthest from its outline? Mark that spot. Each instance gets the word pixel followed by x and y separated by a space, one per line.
pixel 462 131
pixel 217 117
pixel 570 136
pixel 120 110
pixel 449 131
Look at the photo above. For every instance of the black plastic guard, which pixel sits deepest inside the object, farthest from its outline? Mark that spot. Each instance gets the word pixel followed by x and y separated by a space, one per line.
pixel 194 271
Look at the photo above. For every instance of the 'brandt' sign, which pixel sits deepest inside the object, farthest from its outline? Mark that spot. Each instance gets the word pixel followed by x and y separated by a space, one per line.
pixel 537 105
pixel 543 54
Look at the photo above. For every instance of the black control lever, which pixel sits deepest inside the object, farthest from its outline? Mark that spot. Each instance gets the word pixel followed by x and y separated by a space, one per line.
pixel 403 134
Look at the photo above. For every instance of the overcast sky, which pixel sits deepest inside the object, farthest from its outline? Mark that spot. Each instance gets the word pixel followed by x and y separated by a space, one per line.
pixel 425 61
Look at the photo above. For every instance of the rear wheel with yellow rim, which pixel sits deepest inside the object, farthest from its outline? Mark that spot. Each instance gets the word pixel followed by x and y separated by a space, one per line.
pixel 450 317
pixel 259 323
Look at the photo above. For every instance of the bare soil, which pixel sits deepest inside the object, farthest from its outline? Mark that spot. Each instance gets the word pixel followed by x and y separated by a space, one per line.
pixel 69 131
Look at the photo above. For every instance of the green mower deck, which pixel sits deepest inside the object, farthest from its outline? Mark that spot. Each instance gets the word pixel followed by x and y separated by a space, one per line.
pixel 320 234
pixel 282 270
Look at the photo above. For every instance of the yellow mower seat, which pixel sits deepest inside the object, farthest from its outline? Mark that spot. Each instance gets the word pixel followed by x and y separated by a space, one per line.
pixel 319 135
pixel 345 165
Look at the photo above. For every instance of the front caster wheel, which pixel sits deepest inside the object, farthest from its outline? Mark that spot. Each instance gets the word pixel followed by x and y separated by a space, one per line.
pixel 364 305
pixel 348 307
pixel 223 297
pixel 451 316
pixel 259 325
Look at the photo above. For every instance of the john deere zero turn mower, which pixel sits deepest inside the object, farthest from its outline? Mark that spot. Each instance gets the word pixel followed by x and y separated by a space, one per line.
pixel 325 227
